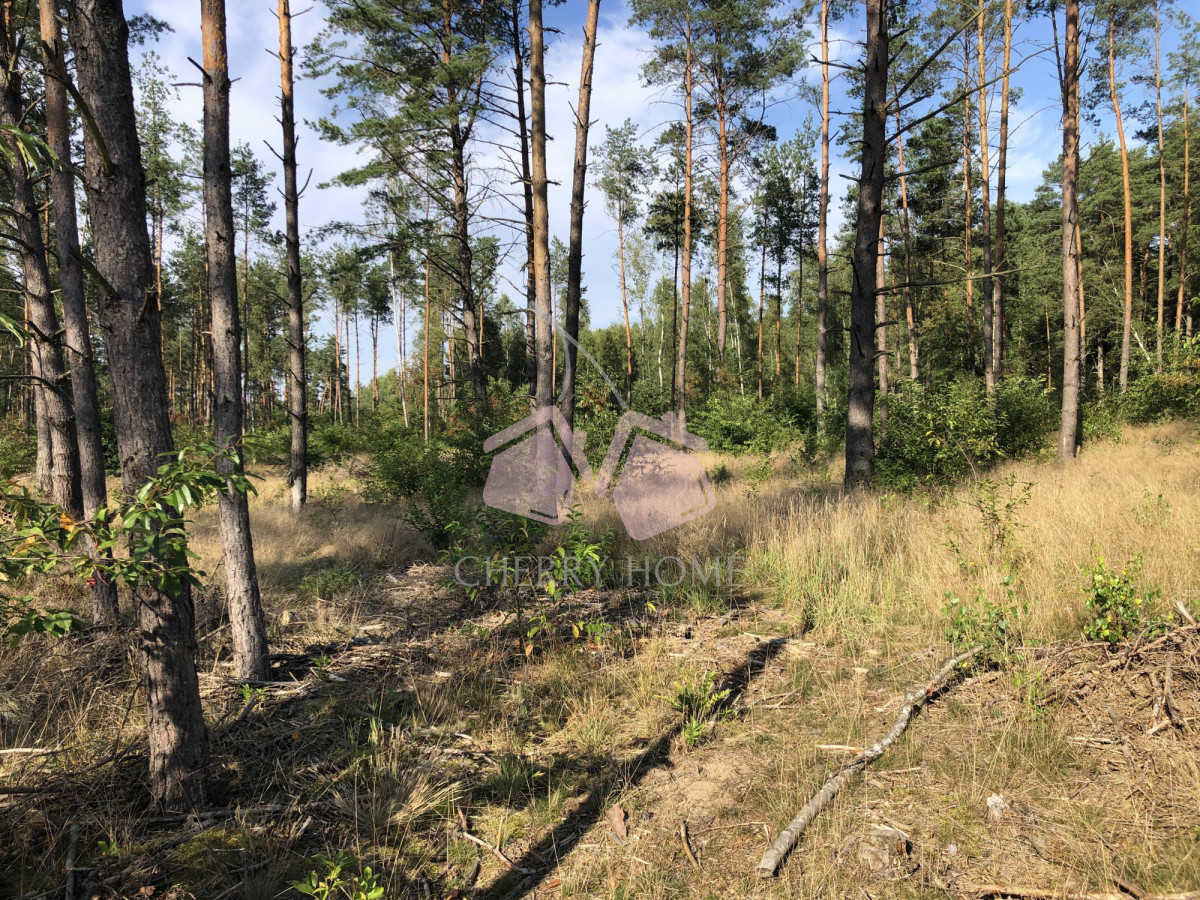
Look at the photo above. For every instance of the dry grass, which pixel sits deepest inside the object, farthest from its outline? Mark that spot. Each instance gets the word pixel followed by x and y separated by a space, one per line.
pixel 415 712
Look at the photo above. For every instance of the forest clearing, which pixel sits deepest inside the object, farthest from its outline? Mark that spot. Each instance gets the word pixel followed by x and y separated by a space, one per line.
pixel 791 489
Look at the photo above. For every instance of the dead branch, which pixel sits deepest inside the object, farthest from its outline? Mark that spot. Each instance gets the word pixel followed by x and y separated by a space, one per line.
pixel 999 890
pixel 496 853
pixel 790 835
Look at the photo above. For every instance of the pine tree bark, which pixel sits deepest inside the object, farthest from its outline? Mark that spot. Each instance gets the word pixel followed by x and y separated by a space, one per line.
pixel 116 188
pixel 1162 194
pixel 860 440
pixel 527 192
pixel 297 343
pixel 251 661
pixel 1068 436
pixel 968 197
pixel 78 342
pixel 578 183
pixel 1127 331
pixel 998 261
pixel 541 210
pixel 906 236
pixel 881 348
pixel 823 224
pixel 57 442
pixel 723 167
pixel 985 200
pixel 1182 298
pixel 685 288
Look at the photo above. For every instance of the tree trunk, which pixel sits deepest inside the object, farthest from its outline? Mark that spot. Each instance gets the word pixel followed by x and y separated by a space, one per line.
pixel 685 287
pixel 177 737
pixel 998 261
pixel 1162 194
pixel 1068 437
pixel 428 323
pixel 985 199
pixel 823 224
pixel 968 196
pixel 578 183
pixel 799 306
pixel 762 276
pixel 399 320
pixel 778 318
pixel 298 379
pixel 860 442
pixel 75 317
pixel 247 627
pixel 1116 104
pixel 357 368
pixel 881 348
pixel 541 210
pixel 1187 223
pixel 527 191
pixel 906 236
pixel 57 443
pixel 625 306
pixel 722 225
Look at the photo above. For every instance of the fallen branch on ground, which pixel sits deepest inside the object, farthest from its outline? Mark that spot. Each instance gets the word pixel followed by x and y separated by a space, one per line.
pixel 495 851
pixel 790 835
pixel 1032 893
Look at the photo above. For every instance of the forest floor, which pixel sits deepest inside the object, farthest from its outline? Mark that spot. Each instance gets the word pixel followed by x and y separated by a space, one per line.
pixel 428 736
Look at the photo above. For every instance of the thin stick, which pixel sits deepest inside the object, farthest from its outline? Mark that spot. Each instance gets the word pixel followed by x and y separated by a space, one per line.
pixel 496 853
pixel 790 835
pixel 687 845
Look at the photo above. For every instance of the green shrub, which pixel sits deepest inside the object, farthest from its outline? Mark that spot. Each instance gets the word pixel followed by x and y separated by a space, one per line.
pixel 1101 421
pixel 742 424
pixel 941 435
pixel 1114 597
pixel 16 450
pixel 1171 393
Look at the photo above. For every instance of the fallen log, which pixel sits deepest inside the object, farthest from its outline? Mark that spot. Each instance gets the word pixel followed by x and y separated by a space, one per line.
pixel 789 836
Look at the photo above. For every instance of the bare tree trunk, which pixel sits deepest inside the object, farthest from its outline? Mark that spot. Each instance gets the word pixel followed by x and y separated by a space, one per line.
pixel 297 377
pixel 778 318
pixel 860 441
pixel 799 306
pixel 686 275
pixel 527 191
pixel 251 661
pixel 1068 437
pixel 625 306
pixel 823 223
pixel 1162 194
pixel 906 236
pixel 762 276
pixel 968 196
pixel 998 260
pixel 57 441
pixel 428 323
pixel 1116 104
pixel 723 167
pixel 541 211
pixel 177 737
pixel 400 321
pixel 357 367
pixel 985 199
pixel 881 348
pixel 94 492
pixel 1187 223
pixel 578 183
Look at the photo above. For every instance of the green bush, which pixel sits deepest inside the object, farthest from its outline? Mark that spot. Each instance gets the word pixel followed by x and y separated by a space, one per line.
pixel 1171 393
pixel 16 450
pixel 1114 597
pixel 937 436
pixel 742 424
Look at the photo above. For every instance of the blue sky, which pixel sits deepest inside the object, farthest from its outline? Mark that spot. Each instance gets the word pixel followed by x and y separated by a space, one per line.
pixel 618 94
